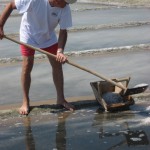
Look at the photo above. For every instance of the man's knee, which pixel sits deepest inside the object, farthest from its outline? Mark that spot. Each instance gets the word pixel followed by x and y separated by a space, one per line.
pixel 55 64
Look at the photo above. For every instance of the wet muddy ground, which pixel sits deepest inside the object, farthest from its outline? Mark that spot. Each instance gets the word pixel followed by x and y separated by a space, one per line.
pixel 86 128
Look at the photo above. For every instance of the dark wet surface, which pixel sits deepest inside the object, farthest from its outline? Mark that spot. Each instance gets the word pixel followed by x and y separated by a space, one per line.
pixel 87 128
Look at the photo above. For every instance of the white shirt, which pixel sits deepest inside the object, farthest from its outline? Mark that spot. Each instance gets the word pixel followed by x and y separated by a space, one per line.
pixel 39 21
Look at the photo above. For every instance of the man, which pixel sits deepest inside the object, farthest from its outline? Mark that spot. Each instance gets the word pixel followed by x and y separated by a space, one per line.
pixel 39 20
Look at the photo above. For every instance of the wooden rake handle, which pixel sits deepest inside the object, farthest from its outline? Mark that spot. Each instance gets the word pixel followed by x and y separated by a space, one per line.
pixel 68 62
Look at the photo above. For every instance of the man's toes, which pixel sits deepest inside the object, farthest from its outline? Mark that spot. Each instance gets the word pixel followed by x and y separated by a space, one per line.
pixel 68 106
pixel 23 111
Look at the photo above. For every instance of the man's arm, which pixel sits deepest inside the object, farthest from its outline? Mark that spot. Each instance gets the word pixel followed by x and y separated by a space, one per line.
pixel 61 45
pixel 62 40
pixel 4 16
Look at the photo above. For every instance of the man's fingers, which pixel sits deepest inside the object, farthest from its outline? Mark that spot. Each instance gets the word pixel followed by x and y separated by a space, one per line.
pixel 61 58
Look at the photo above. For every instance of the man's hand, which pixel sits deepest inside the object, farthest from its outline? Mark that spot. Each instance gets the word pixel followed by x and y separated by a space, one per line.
pixel 61 57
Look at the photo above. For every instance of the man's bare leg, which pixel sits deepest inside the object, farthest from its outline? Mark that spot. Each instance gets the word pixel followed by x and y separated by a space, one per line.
pixel 59 83
pixel 27 66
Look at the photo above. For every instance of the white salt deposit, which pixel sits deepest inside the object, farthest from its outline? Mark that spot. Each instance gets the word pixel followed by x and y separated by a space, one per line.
pixel 136 139
pixel 146 121
pixel 148 108
pixel 141 135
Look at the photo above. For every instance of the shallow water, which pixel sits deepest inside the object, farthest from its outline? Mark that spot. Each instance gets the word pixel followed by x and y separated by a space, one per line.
pixel 83 129
pixel 96 39
pixel 108 38
pixel 87 19
pixel 93 17
pixel 80 40
pixel 109 16
pixel 77 82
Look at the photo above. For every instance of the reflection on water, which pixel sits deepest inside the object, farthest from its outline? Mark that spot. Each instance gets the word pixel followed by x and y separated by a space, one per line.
pixel 115 129
pixel 136 138
pixel 61 131
pixel 132 137
pixel 29 139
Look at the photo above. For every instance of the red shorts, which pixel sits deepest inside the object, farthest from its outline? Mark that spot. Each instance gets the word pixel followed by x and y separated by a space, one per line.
pixel 25 51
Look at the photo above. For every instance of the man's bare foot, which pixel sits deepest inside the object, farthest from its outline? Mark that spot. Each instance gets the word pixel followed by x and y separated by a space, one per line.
pixel 24 110
pixel 67 105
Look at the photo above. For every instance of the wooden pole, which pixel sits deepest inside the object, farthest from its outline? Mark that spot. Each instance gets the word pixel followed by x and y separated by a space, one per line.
pixel 69 62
